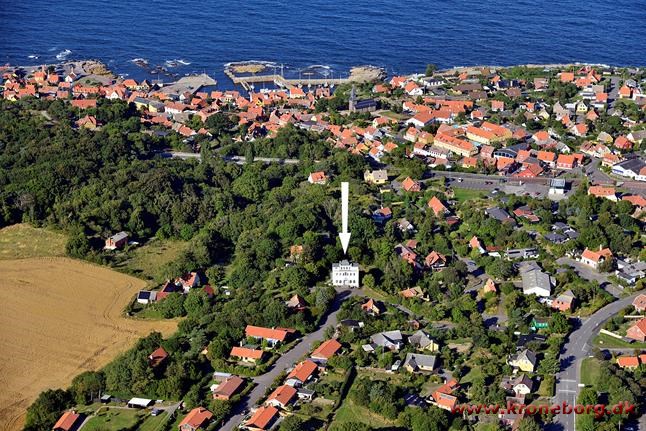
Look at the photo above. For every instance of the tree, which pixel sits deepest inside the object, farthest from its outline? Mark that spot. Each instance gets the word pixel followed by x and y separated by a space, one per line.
pixel 45 411
pixel 292 423
pixel 87 386
pixel 528 423
pixel 559 324
pixel 430 69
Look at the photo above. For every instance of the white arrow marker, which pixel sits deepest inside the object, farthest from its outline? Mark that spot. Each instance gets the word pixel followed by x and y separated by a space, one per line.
pixel 344 235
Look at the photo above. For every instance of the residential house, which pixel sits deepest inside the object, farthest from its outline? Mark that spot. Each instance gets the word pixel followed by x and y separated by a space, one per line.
pixel 438 208
pixel 197 418
pixel 227 388
pixel 415 362
pixel 248 355
pixel 282 397
pixel 539 323
pixel 302 373
pixel 423 341
pixel 318 177
pixel 391 340
pixel 296 303
pixel 435 260
pixel 69 421
pixel 640 303
pixel 443 396
pixel 637 331
pixel 520 385
pixel 382 215
pixel 410 185
pixel 326 350
pixel 373 307
pixel 157 357
pixel 628 362
pixel 118 240
pixel 525 360
pixel 376 177
pixel 270 335
pixel 188 281
pixel 609 193
pixel 566 161
pixel 595 258
pixel 564 302
pixel 262 419
pixel 413 292
pixel 476 244
pixel 489 286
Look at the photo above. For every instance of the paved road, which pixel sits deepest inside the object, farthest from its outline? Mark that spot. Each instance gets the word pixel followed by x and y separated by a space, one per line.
pixel 233 159
pixel 574 351
pixel 591 275
pixel 287 360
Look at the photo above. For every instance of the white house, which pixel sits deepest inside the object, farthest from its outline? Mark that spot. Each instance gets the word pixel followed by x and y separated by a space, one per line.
pixel 345 273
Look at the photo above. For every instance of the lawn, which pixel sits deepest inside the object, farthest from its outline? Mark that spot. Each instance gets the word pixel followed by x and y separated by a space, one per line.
pixel 462 195
pixel 114 419
pixel 22 241
pixel 148 260
pixel 590 371
pixel 606 341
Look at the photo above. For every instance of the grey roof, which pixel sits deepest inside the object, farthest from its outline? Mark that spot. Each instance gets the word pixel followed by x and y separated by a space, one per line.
pixel 119 236
pixel 498 214
pixel 380 174
pixel 536 279
pixel 420 338
pixel 387 338
pixel 555 237
pixel 415 360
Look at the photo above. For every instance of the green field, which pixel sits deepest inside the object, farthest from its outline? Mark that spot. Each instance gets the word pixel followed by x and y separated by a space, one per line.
pixel 114 419
pixel 590 371
pixel 22 241
pixel 148 260
pixel 606 341
pixel 462 195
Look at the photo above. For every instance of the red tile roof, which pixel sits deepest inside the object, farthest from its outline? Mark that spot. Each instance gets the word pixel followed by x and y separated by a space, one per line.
pixel 326 350
pixel 66 421
pixel 263 417
pixel 303 371
pixel 283 394
pixel 243 352
pixel 266 333
pixel 196 418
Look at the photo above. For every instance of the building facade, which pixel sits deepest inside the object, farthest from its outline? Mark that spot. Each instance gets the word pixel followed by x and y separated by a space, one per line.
pixel 345 273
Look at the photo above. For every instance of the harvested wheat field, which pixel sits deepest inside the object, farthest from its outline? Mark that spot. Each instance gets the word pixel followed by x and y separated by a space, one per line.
pixel 60 317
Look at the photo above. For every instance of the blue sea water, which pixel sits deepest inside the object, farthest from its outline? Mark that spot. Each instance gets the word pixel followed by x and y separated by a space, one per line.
pixel 400 36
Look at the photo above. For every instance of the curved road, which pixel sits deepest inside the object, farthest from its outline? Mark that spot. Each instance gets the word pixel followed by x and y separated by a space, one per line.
pixel 575 350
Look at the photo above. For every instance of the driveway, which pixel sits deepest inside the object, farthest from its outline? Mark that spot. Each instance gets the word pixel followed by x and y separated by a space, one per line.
pixel 577 348
pixel 591 275
pixel 286 361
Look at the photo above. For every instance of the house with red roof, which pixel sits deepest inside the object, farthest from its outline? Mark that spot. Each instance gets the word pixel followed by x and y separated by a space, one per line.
pixel 435 260
pixel 410 185
pixel 438 208
pixel 69 421
pixel 197 418
pixel 640 303
pixel 443 396
pixel 609 193
pixel 262 419
pixel 318 177
pixel 623 143
pixel 566 161
pixel 157 357
pixel 595 258
pixel 637 332
pixel 476 244
pixel 628 362
pixel 282 397
pixel 246 354
pixel 188 281
pixel 302 373
pixel 326 350
pixel 271 335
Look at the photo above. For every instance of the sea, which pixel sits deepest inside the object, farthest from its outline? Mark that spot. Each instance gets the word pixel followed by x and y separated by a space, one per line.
pixel 320 37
